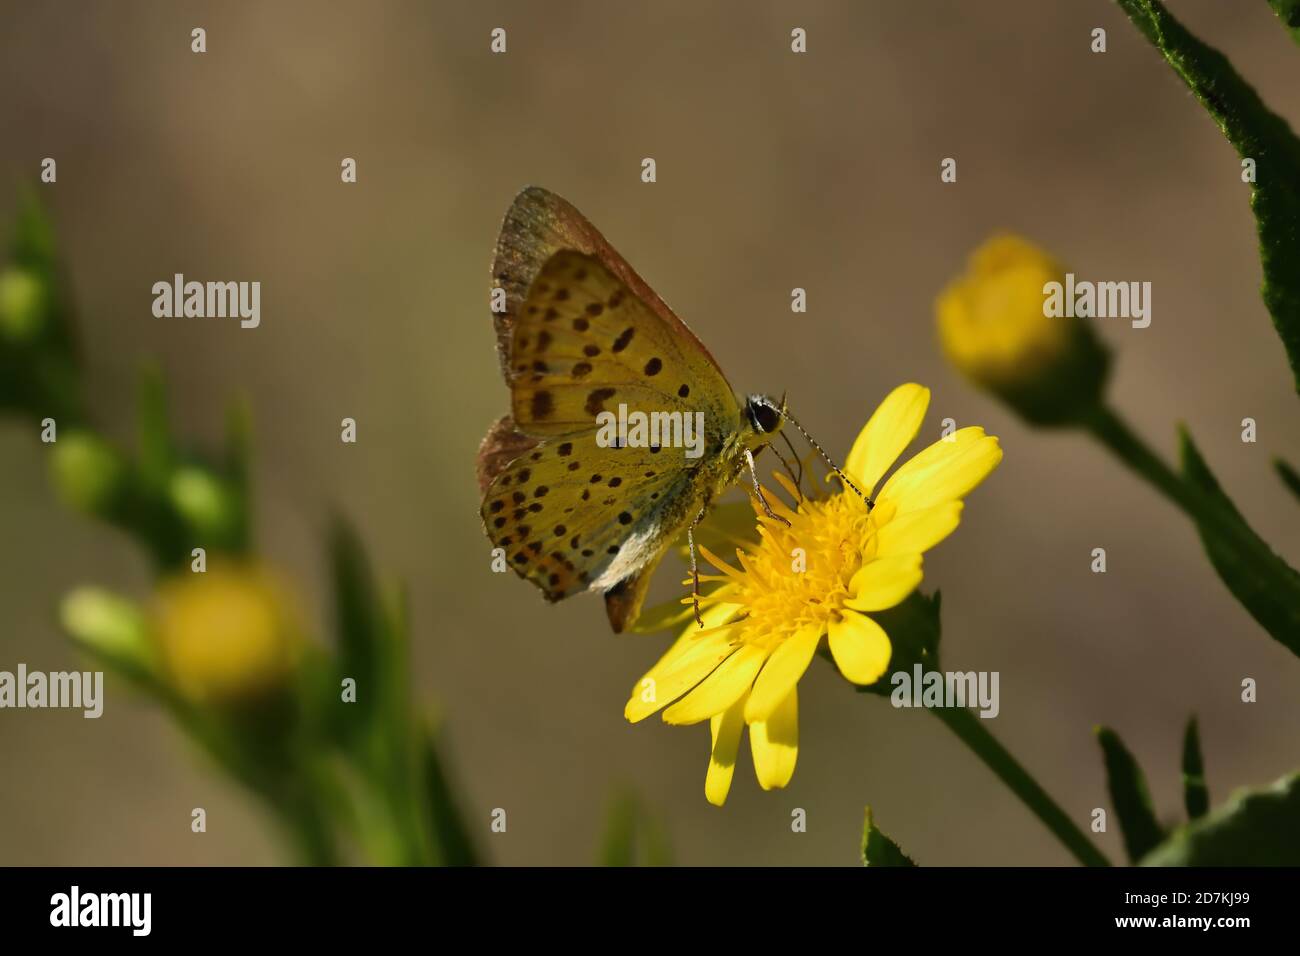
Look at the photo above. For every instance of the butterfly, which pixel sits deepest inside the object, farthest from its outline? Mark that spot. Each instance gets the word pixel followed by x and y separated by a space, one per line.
pixel 582 339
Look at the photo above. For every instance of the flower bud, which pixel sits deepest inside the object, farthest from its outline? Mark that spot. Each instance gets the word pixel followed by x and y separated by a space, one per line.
pixel 995 330
pixel 228 635
pixel 110 626
pixel 22 304
pixel 89 473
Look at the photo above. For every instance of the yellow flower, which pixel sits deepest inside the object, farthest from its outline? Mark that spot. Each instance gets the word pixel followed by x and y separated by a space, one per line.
pixel 767 619
pixel 227 634
pixel 995 330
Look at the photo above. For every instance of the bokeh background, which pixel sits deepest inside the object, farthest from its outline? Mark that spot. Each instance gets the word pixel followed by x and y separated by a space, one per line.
pixel 775 171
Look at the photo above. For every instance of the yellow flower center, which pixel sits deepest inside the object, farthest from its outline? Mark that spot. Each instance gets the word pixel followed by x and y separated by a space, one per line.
pixel 798 575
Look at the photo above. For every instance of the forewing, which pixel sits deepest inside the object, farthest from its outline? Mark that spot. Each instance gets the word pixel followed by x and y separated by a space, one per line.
pixel 584 344
pixel 540 224
pixel 572 515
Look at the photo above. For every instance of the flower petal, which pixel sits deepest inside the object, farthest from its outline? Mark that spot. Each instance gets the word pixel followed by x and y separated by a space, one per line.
pixel 775 744
pixel 860 647
pixel 891 429
pixel 727 684
pixel 781 673
pixel 918 531
pixel 945 471
pixel 687 662
pixel 883 582
pixel 726 728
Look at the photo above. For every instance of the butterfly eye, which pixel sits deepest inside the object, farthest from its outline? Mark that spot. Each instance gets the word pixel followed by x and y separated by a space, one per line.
pixel 764 417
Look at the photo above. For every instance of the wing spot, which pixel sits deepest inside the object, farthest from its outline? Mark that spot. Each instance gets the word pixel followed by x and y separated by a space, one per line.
pixel 543 340
pixel 541 368
pixel 655 449
pixel 581 369
pixel 624 518
pixel 562 295
pixel 649 474
pixel 519 497
pixel 580 275
pixel 612 549
pixel 541 491
pixel 587 552
pixel 586 493
pixel 616 299
pixel 524 474
pixel 551 315
pixel 653 366
pixel 596 400
pixel 518 514
pixel 496 506
pixel 594 309
pixel 623 339
pixel 542 405
pixel 499 522
pixel 683 391
pixel 595 479
pixel 535 547
pixel 654 495
pixel 560 531
pixel 536 456
pixel 615 481
pixel 565 448
pixel 554 579
pixel 591 351
pixel 581 325
pixel 521 558
pixel 574 465
pixel 535 507
pixel 523 339
pixel 573 542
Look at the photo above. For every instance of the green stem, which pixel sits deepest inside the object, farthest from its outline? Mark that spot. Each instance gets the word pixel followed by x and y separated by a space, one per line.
pixel 1110 430
pixel 1273 584
pixel 970 729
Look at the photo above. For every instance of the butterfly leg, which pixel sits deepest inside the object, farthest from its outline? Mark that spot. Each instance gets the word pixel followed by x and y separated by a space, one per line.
pixel 758 490
pixel 695 568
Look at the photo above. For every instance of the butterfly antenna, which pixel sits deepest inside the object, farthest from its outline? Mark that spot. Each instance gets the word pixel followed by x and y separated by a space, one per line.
pixel 812 441
pixel 788 470
pixel 798 481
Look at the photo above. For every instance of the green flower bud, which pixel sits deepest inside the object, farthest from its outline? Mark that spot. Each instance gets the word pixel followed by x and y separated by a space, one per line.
pixel 205 502
pixel 22 305
pixel 109 626
pixel 88 472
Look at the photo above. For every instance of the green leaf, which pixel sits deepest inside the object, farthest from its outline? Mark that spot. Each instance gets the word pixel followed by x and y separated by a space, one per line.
pixel 878 849
pixel 157 452
pixel 1288 11
pixel 913 628
pixel 1256 133
pixel 452 842
pixel 1264 584
pixel 358 621
pixel 633 837
pixel 238 467
pixel 1289 476
pixel 38 355
pixel 1196 795
pixel 1129 796
pixel 1254 828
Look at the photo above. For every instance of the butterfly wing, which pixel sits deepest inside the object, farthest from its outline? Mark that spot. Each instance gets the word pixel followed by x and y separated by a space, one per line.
pixel 540 224
pixel 573 515
pixel 582 334
pixel 583 344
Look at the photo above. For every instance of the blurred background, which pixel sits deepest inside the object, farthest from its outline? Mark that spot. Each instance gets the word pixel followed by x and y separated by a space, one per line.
pixel 774 171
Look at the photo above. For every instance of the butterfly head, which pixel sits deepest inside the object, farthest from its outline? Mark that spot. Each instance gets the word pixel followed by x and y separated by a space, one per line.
pixel 765 417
